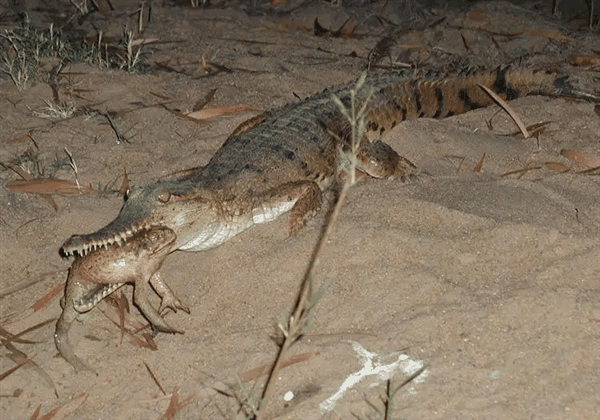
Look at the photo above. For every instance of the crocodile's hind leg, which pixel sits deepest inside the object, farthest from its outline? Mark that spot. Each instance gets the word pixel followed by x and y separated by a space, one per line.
pixel 302 199
pixel 74 291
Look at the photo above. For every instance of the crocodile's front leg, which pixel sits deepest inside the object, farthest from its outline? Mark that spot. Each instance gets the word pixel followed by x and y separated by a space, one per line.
pixel 302 199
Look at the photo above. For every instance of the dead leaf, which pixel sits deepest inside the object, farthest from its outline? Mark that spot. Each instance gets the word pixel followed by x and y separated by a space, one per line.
pixel 284 25
pixel 155 379
pixel 68 408
pixel 22 173
pixel 174 406
pixel 460 165
pixel 535 130
pixel 50 415
pixel 36 413
pixel 591 171
pixel 124 190
pixel 158 95
pixel 73 405
pixel 580 158
pixel 181 114
pixel 538 32
pixel 15 338
pixel 257 372
pixel 547 34
pixel 47 186
pixel 479 165
pixel 204 65
pixel 208 98
pixel 521 172
pixel 583 60
pixel 347 28
pixel 121 304
pixel 50 201
pixel 144 41
pixel 556 166
pixel 12 370
pixel 466 43
pixel 23 137
pixel 48 297
pixel 149 342
pixel 210 113
pixel 23 284
pixel 19 357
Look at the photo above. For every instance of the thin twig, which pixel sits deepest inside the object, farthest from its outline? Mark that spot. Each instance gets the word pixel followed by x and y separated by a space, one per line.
pixel 297 320
pixel 511 112
pixel 73 165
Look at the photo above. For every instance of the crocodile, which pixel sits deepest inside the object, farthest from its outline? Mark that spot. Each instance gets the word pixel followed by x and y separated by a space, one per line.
pixel 284 160
pixel 97 274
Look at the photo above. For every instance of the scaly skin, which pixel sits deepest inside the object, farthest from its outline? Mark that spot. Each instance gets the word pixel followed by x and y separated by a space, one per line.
pixel 284 160
pixel 102 271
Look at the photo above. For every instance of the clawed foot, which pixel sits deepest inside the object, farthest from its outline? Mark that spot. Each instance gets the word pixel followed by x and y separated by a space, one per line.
pixel 173 303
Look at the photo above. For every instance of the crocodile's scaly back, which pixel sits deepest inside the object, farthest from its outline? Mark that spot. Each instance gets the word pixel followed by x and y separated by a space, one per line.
pixel 293 141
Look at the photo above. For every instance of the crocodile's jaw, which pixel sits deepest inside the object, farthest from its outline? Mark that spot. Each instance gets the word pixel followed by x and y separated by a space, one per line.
pixel 167 204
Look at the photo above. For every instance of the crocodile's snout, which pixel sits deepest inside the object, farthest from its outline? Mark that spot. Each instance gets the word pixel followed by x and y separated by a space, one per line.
pixel 83 244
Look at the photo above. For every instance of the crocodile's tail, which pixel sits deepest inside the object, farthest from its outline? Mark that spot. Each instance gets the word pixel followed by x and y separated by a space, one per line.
pixel 567 86
pixel 434 96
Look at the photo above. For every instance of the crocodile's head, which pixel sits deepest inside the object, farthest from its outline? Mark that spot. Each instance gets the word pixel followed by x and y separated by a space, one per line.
pixel 166 204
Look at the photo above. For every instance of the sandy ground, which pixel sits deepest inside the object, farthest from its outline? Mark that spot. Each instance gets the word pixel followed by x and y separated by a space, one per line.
pixel 492 280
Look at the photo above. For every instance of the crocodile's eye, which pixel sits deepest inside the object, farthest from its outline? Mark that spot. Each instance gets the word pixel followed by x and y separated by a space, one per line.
pixel 164 195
